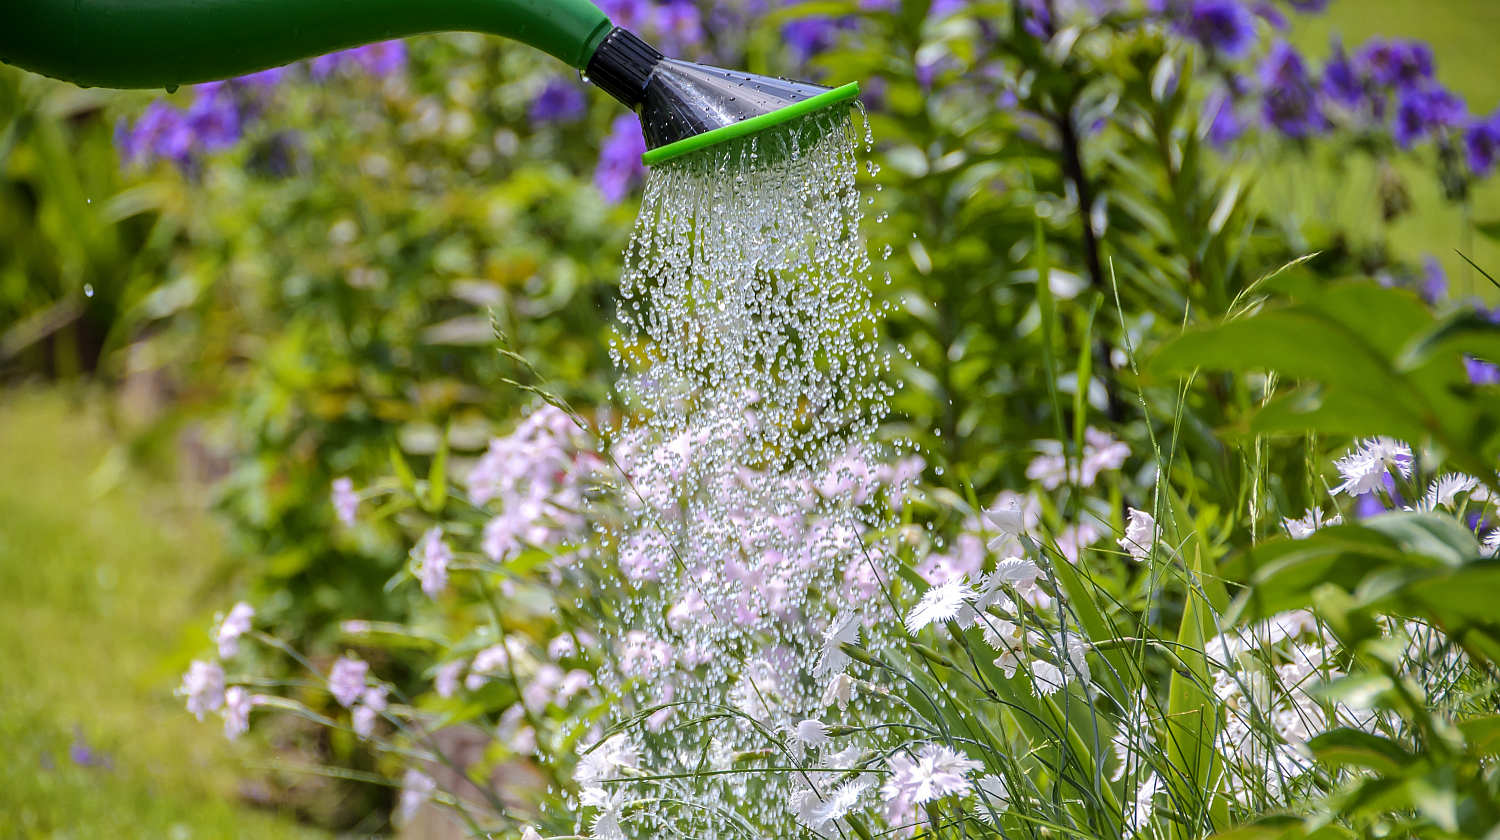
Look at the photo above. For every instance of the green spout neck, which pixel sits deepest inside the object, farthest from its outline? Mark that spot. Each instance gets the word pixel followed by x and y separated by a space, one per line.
pixel 165 43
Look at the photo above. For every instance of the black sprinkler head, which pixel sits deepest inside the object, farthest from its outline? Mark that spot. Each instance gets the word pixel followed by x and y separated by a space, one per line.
pixel 685 106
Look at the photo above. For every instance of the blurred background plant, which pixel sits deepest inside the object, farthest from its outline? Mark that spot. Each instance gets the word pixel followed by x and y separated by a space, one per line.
pixel 362 265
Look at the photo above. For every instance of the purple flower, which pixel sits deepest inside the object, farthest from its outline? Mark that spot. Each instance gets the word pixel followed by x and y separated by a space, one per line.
pixel 1482 143
pixel 270 77
pixel 162 131
pixel 1290 103
pixel 631 14
pixel 1270 14
pixel 1341 82
pixel 810 35
pixel 1225 125
pixel 1368 505
pixel 559 101
pixel 1434 280
pixel 1224 26
pixel 1397 64
pixel 346 682
pixel 1036 18
pixel 1309 6
pixel 214 117
pixel 620 166
pixel 679 25
pixel 1420 112
pixel 1481 372
pixel 380 59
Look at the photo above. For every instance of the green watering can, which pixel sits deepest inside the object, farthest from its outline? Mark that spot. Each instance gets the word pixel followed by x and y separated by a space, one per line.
pixel 683 106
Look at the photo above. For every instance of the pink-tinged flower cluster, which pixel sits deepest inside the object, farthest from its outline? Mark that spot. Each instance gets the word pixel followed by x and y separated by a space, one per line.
pixel 234 625
pixel 203 685
pixel 935 771
pixel 1101 453
pixel 346 682
pixel 537 476
pixel 431 558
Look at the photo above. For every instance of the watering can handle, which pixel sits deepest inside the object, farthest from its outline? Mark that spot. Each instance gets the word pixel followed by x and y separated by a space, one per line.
pixel 165 43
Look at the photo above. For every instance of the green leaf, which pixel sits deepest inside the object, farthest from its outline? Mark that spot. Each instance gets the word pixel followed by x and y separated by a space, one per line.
pixel 437 477
pixel 1347 747
pixel 403 470
pixel 1482 734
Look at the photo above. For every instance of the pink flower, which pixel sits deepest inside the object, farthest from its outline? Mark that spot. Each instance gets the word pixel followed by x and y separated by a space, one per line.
pixel 237 702
pixel 345 502
pixel 204 686
pixel 432 557
pixel 935 772
pixel 234 625
pixel 347 680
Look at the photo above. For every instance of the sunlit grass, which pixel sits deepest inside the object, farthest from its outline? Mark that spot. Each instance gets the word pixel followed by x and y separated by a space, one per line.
pixel 105 578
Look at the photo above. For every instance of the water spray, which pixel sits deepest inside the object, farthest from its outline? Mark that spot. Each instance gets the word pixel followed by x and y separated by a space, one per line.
pixel 683 106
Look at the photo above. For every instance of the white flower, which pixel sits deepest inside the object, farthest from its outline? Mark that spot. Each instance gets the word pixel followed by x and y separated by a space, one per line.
pixel 416 789
pixel 606 824
pixel 531 833
pixel 1140 534
pixel 1309 523
pixel 1008 638
pixel 1008 517
pixel 204 686
pixel 935 772
pixel 605 760
pixel 994 796
pixel 840 690
pixel 234 625
pixel 939 604
pixel 832 659
pixel 1015 572
pixel 820 814
pixel 1365 468
pixel 237 704
pixel 1492 543
pixel 812 733
pixel 804 802
pixel 1444 490
pixel 1048 678
pixel 446 679
pixel 1143 805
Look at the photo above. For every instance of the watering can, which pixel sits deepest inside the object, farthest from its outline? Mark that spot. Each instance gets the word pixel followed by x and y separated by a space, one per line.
pixel 683 106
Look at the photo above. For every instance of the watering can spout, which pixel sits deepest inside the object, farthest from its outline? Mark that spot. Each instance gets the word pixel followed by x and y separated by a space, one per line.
pixel 685 106
pixel 165 43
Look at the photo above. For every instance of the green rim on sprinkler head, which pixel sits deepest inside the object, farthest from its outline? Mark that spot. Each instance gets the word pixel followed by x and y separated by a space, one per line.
pixel 683 106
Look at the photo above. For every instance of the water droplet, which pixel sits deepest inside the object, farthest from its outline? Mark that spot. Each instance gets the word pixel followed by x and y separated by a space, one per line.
pixel 88 290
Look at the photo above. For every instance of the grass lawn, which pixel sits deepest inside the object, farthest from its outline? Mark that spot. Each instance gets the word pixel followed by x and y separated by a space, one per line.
pixel 108 579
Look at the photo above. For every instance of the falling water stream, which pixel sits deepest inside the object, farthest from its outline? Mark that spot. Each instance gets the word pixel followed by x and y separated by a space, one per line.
pixel 759 504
